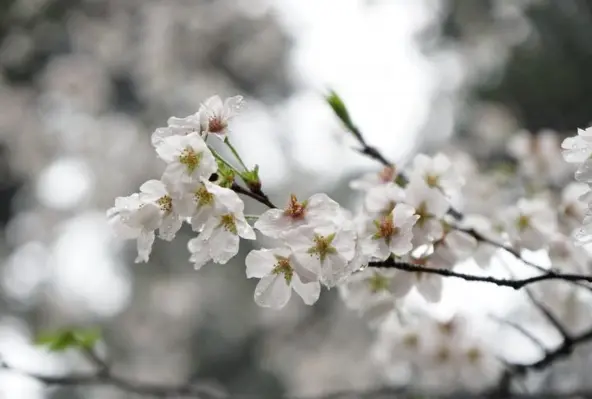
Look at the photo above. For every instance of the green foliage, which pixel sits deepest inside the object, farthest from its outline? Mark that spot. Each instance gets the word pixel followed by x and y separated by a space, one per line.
pixel 75 338
pixel 338 106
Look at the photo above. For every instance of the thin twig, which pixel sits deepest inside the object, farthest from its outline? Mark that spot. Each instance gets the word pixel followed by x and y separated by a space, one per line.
pixel 262 198
pixel 535 340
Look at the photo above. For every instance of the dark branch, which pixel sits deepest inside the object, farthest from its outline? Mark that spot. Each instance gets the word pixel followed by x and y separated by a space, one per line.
pixel 259 197
pixel 515 284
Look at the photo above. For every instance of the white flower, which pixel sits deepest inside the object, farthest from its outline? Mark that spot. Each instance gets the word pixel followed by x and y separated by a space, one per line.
pixel 280 273
pixel 371 286
pixel 567 257
pixel 437 172
pixel 203 199
pixel 458 244
pixel 387 175
pixel 428 285
pixel 578 149
pixel 177 127
pixel 131 218
pixel 383 198
pixel 156 192
pixel 215 115
pixel 392 234
pixel 188 158
pixel 430 205
pixel 317 210
pixel 530 224
pixel 325 250
pixel 219 240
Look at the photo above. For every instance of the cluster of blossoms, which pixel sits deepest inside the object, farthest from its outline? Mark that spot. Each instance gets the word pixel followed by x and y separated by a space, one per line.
pixel 433 354
pixel 408 217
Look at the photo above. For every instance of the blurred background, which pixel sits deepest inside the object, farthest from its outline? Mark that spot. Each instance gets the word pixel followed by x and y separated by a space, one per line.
pixel 83 83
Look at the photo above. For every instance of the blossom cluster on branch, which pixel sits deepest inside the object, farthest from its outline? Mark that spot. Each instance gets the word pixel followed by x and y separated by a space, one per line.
pixel 417 223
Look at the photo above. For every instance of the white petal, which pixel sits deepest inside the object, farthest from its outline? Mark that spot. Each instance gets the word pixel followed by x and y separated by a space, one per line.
pixel 168 150
pixel 169 227
pixel 199 252
pixel 224 246
pixel 308 292
pixel 401 283
pixel 401 244
pixel 144 246
pixel 345 243
pixel 152 190
pixel 272 292
pixel 404 213
pixel 244 229
pixel 260 263
pixel 430 287
pixel 273 223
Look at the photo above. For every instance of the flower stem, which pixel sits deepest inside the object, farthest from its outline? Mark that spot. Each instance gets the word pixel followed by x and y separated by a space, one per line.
pixel 235 153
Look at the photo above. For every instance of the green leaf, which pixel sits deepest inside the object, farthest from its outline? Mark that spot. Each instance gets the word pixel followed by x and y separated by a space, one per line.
pixel 338 106
pixel 88 338
pixel 61 340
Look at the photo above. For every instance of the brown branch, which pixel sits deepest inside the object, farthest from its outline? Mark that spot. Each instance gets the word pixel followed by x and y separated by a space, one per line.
pixel 259 197
pixel 511 283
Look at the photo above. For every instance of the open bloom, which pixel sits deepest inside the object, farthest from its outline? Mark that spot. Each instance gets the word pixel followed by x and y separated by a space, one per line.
pixel 131 218
pixel 215 114
pixel 371 286
pixel 388 174
pixel 430 205
pixel 169 221
pixel 382 199
pixel 280 272
pixel 530 224
pixel 220 237
pixel 317 210
pixel 177 127
pixel 437 172
pixel 188 158
pixel 325 250
pixel 392 234
pixel 203 199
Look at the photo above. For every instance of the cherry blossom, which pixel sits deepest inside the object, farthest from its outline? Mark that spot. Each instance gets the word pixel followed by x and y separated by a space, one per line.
pixel 215 114
pixel 430 205
pixel 317 210
pixel 188 158
pixel 530 224
pixel 325 250
pixel 220 237
pixel 437 172
pixel 388 174
pixel 131 218
pixel 177 127
pixel 392 234
pixel 280 272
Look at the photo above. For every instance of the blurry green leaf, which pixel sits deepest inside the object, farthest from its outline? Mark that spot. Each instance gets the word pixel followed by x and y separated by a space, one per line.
pixel 338 106
pixel 61 340
pixel 88 338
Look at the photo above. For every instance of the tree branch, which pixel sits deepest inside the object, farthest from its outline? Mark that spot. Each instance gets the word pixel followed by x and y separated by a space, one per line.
pixel 259 197
pixel 511 283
